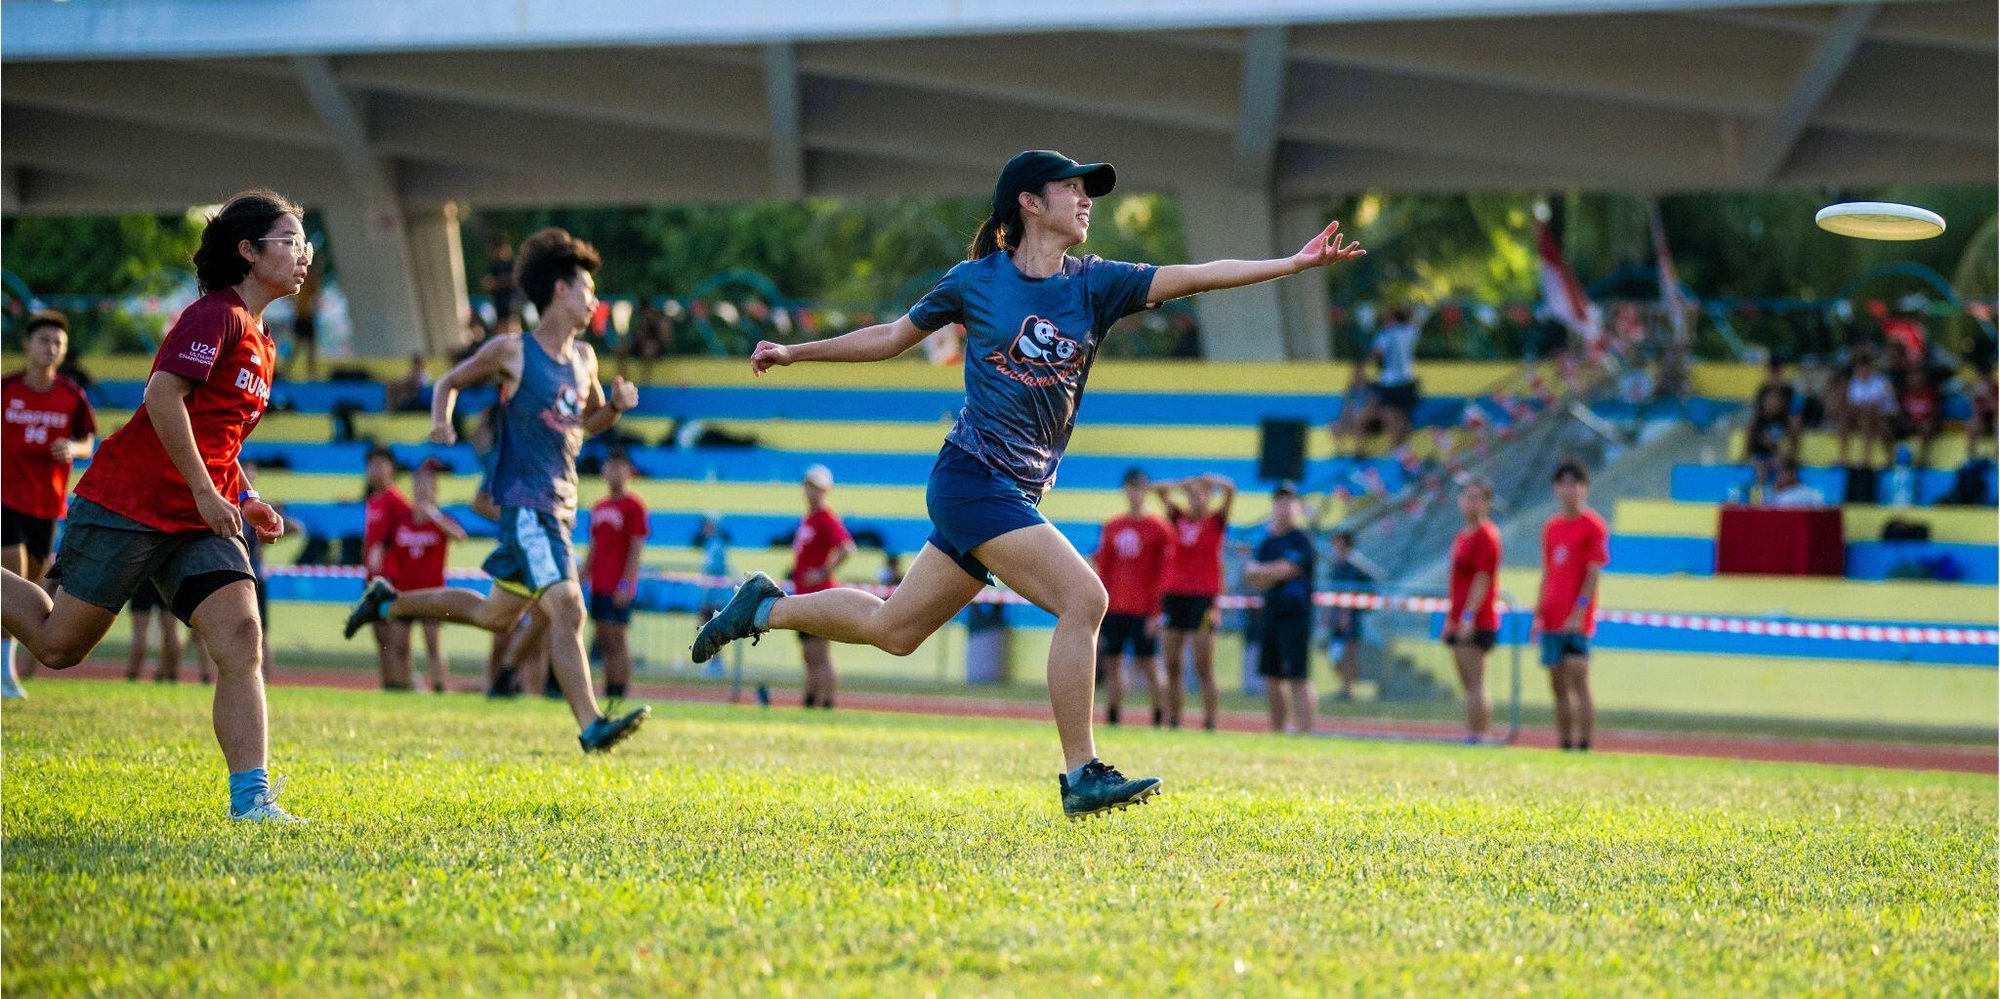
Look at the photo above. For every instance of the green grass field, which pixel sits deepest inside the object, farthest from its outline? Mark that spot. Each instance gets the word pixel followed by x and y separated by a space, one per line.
pixel 460 847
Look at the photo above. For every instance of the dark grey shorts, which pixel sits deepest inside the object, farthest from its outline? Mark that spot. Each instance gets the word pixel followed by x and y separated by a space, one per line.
pixel 105 558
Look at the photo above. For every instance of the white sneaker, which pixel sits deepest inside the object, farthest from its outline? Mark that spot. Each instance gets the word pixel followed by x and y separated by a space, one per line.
pixel 266 809
pixel 10 688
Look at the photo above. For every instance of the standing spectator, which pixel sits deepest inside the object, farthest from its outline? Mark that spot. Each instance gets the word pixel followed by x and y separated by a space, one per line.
pixel 1193 580
pixel 416 560
pixel 1472 622
pixel 305 323
pixel 1922 413
pixel 1870 403
pixel 1395 355
pixel 385 511
pixel 713 540
pixel 1787 491
pixel 1360 412
pixel 1575 549
pixel 410 393
pixel 618 532
pixel 1131 557
pixel 1282 571
pixel 499 286
pixel 648 342
pixel 49 425
pixel 1984 397
pixel 820 546
pixel 1351 571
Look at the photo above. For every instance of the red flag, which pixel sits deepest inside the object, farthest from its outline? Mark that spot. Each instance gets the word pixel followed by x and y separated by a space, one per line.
pixel 1561 290
pixel 1672 301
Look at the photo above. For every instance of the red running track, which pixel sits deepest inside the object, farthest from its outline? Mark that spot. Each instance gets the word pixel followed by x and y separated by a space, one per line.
pixel 1900 756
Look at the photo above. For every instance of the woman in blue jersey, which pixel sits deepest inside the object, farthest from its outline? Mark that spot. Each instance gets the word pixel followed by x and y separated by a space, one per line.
pixel 1034 318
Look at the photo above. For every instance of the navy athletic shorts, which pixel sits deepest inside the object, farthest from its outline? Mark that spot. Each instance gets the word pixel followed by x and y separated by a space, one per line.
pixel 971 504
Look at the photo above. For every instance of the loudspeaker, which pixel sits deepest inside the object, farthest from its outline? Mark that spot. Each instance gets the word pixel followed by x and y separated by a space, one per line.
pixel 1283 451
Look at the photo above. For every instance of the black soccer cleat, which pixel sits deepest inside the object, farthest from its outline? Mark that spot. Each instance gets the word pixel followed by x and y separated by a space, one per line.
pixel 605 733
pixel 737 619
pixel 1100 788
pixel 368 609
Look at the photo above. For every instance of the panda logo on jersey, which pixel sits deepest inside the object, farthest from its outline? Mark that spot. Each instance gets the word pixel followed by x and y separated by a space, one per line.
pixel 1041 344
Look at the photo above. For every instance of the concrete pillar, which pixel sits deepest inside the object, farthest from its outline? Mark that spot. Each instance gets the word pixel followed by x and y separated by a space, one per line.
pixel 1308 307
pixel 437 260
pixel 404 276
pixel 1224 221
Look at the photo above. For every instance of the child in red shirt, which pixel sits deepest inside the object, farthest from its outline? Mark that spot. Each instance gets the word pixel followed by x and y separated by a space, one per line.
pixel 618 532
pixel 820 546
pixel 1193 581
pixel 1472 624
pixel 1131 560
pixel 1575 549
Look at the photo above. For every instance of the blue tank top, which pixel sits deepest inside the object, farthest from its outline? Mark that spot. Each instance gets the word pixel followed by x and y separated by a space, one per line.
pixel 541 430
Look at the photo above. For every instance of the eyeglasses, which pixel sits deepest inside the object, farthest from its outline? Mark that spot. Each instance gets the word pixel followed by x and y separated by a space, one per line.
pixel 298 244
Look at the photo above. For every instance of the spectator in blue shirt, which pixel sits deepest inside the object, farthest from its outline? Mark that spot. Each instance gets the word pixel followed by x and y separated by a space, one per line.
pixel 1282 573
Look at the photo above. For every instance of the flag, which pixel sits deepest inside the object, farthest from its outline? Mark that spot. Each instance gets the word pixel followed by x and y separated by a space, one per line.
pixel 1672 302
pixel 1562 292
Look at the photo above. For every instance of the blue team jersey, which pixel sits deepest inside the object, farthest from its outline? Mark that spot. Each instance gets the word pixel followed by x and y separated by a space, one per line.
pixel 1294 595
pixel 1029 344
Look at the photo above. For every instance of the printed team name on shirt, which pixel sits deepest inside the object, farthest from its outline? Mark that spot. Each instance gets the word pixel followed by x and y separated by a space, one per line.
pixel 1560 555
pixel 609 516
pixel 36 421
pixel 415 539
pixel 1039 356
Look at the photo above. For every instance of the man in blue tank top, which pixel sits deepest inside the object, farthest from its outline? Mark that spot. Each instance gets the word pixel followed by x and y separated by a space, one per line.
pixel 550 401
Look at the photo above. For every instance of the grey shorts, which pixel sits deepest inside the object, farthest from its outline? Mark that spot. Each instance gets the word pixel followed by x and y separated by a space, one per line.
pixel 106 557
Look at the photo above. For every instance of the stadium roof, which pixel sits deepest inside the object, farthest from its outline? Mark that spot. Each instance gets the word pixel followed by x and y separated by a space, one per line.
pixel 155 104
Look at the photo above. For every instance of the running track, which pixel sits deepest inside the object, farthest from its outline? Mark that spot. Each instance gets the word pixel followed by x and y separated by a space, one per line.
pixel 1901 756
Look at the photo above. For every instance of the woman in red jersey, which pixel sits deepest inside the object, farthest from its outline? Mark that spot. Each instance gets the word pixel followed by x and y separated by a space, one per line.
pixel 1472 623
pixel 165 503
pixel 49 424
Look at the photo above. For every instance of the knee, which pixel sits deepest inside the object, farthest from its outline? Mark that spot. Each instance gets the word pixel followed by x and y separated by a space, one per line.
pixel 1088 603
pixel 564 606
pixel 61 657
pixel 237 644
pixel 901 644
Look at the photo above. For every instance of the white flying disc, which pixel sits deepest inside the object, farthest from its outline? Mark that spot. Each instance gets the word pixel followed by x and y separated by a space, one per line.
pixel 1880 220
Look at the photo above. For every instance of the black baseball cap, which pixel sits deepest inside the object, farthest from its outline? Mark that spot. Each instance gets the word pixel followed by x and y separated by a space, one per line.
pixel 1029 170
pixel 1285 489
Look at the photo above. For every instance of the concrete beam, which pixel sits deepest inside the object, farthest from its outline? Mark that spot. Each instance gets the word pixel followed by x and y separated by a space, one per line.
pixel 1304 298
pixel 1766 155
pixel 1262 98
pixel 781 96
pixel 110 149
pixel 344 124
pixel 210 99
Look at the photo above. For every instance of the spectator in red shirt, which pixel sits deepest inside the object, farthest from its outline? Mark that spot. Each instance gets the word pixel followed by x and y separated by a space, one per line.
pixel 164 502
pixel 820 546
pixel 49 424
pixel 1193 579
pixel 1131 560
pixel 1575 549
pixel 407 543
pixel 617 541
pixel 1472 623
pixel 1922 413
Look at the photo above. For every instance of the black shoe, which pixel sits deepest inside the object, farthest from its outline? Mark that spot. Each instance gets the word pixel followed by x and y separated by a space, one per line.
pixel 1111 715
pixel 614 690
pixel 506 684
pixel 552 687
pixel 1100 788
pixel 605 733
pixel 1158 717
pixel 368 609
pixel 737 619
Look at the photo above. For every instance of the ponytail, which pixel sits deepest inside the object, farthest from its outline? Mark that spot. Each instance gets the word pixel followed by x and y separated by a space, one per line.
pixel 998 232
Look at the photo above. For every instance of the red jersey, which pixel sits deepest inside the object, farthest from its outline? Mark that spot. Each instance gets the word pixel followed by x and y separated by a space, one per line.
pixel 36 480
pixel 1194 554
pixel 1570 546
pixel 1476 550
pixel 1920 405
pixel 1131 559
pixel 218 345
pixel 812 547
pixel 380 516
pixel 617 523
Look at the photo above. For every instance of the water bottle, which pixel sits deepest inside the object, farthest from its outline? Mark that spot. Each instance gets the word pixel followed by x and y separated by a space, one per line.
pixel 1902 484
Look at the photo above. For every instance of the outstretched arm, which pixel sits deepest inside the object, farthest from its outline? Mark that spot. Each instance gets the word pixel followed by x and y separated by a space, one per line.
pixel 870 343
pixel 1180 280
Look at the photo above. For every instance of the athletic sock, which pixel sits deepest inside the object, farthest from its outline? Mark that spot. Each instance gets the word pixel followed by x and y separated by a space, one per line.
pixel 614 690
pixel 244 789
pixel 7 655
pixel 1158 717
pixel 762 619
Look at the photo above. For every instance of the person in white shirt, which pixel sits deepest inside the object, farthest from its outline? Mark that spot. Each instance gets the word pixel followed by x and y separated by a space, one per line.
pixel 1788 492
pixel 1395 354
pixel 1870 401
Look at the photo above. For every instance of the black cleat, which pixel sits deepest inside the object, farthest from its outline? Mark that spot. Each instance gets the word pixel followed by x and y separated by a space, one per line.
pixel 368 609
pixel 737 619
pixel 1101 788
pixel 605 733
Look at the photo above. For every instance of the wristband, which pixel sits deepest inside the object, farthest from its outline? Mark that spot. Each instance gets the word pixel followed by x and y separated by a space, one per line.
pixel 1582 601
pixel 246 496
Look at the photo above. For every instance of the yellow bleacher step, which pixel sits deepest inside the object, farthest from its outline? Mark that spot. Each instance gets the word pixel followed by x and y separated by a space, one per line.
pixel 1822 448
pixel 1959 525
pixel 1793 596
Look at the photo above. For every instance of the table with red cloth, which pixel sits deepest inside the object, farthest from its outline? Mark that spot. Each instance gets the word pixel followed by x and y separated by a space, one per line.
pixel 1778 541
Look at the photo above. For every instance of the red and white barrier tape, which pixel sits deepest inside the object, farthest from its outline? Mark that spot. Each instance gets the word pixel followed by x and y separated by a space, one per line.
pixel 1767 627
